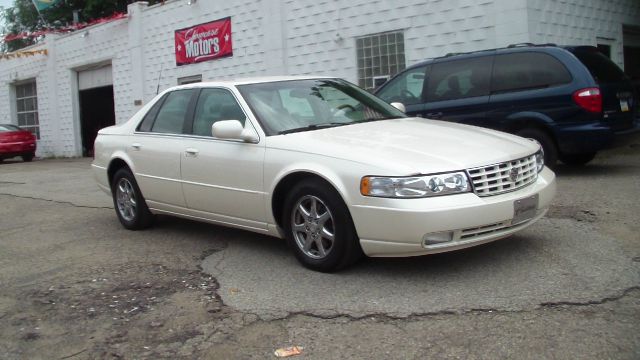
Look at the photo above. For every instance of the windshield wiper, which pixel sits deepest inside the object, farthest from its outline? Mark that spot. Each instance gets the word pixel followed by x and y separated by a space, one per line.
pixel 377 119
pixel 312 127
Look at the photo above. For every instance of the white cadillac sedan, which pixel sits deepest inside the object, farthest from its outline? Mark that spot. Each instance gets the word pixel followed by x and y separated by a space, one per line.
pixel 336 171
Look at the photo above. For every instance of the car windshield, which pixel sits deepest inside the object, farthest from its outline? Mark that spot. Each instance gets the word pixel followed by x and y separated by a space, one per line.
pixel 8 128
pixel 300 105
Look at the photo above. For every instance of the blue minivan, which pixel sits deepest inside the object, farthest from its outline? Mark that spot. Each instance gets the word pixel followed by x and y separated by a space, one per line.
pixel 571 99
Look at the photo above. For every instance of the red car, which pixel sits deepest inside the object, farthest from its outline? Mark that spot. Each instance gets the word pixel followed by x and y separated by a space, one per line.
pixel 15 141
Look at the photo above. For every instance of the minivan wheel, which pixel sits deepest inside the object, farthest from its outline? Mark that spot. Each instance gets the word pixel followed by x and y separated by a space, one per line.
pixel 577 159
pixel 548 145
pixel 128 201
pixel 319 228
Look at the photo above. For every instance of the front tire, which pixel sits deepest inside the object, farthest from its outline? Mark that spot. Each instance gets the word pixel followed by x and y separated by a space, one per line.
pixel 319 228
pixel 577 159
pixel 130 206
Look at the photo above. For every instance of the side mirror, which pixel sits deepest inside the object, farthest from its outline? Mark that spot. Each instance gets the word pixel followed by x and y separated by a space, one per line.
pixel 399 106
pixel 232 129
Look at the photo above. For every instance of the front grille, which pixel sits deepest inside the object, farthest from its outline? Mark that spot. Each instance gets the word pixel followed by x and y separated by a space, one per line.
pixel 503 177
pixel 485 230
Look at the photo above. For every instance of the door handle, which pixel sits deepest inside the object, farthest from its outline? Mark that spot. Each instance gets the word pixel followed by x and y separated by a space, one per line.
pixel 434 115
pixel 191 152
pixel 136 146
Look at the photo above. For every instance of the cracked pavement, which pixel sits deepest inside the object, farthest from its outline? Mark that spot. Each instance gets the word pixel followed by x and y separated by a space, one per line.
pixel 75 285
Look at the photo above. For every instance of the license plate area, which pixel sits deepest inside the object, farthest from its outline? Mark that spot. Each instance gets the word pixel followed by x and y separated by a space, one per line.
pixel 624 105
pixel 524 209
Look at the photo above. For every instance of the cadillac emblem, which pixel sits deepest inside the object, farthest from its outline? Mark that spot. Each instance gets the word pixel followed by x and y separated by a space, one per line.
pixel 513 174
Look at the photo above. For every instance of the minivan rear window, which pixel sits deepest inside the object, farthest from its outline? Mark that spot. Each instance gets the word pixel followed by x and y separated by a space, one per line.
pixel 601 68
pixel 527 70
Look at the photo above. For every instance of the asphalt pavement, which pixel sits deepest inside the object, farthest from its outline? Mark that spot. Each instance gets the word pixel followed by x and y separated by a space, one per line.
pixel 566 287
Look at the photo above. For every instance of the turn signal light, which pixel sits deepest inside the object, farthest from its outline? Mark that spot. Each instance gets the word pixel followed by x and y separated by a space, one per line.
pixel 365 186
pixel 589 99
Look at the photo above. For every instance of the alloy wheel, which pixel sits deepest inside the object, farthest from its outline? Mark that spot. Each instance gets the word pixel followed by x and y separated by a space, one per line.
pixel 126 199
pixel 313 227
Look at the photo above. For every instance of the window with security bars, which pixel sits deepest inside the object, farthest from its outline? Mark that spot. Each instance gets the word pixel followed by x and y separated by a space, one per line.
pixel 27 107
pixel 380 56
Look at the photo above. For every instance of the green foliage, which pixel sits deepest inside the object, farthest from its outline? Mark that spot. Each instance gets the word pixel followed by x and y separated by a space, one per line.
pixel 23 16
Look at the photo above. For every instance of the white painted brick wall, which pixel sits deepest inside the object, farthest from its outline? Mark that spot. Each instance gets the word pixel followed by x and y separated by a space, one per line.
pixel 274 37
pixel 582 22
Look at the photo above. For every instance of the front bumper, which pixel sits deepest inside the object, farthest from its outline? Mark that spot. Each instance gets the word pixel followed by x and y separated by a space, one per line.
pixel 396 227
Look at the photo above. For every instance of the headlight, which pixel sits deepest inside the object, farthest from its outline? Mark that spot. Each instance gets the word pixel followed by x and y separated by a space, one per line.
pixel 415 186
pixel 540 160
pixel 539 155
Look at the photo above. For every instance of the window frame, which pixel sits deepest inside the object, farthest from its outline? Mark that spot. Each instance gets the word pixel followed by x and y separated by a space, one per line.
pixel 191 79
pixel 34 128
pixel 192 119
pixel 370 47
pixel 186 123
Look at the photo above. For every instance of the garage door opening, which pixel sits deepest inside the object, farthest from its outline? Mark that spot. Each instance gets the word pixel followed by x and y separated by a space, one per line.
pixel 95 95
pixel 96 112
pixel 631 52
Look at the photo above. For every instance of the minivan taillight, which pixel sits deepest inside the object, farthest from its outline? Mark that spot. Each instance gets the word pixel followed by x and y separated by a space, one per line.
pixel 589 99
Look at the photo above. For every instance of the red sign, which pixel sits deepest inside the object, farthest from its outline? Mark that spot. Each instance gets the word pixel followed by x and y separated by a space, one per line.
pixel 204 42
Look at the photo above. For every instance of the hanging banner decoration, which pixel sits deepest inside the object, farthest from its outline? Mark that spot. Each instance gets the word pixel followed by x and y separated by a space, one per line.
pixel 204 42
pixel 44 4
pixel 66 29
pixel 23 53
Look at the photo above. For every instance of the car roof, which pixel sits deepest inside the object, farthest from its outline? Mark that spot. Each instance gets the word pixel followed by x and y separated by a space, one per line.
pixel 254 80
pixel 505 50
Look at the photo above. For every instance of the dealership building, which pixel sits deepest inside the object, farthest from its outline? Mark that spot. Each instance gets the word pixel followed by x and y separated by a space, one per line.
pixel 102 74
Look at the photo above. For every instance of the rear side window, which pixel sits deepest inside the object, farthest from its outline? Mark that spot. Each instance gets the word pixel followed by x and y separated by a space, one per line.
pixel 147 122
pixel 527 70
pixel 601 68
pixel 459 79
pixel 171 116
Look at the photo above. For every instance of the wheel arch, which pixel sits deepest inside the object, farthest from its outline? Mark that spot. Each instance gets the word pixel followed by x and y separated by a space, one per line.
pixel 531 120
pixel 287 180
pixel 116 163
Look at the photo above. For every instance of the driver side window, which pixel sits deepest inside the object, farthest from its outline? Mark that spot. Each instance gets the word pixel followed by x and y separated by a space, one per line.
pixel 215 105
pixel 406 88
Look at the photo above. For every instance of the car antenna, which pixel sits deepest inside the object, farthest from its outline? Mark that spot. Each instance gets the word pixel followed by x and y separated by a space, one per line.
pixel 159 77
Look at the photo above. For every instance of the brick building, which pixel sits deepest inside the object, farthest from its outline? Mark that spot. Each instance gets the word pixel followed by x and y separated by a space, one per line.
pixel 103 74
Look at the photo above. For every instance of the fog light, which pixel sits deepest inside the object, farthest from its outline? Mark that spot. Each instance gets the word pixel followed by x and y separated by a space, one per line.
pixel 437 238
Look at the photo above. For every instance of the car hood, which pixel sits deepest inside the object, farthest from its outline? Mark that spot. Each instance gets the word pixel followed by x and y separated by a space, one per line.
pixel 409 145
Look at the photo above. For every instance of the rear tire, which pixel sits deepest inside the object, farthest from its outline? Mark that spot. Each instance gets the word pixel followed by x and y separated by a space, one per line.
pixel 548 145
pixel 577 159
pixel 28 157
pixel 131 207
pixel 319 228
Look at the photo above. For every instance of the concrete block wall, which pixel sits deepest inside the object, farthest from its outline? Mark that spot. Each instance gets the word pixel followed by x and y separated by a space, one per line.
pixel 101 44
pixel 320 35
pixel 159 23
pixel 280 37
pixel 585 22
